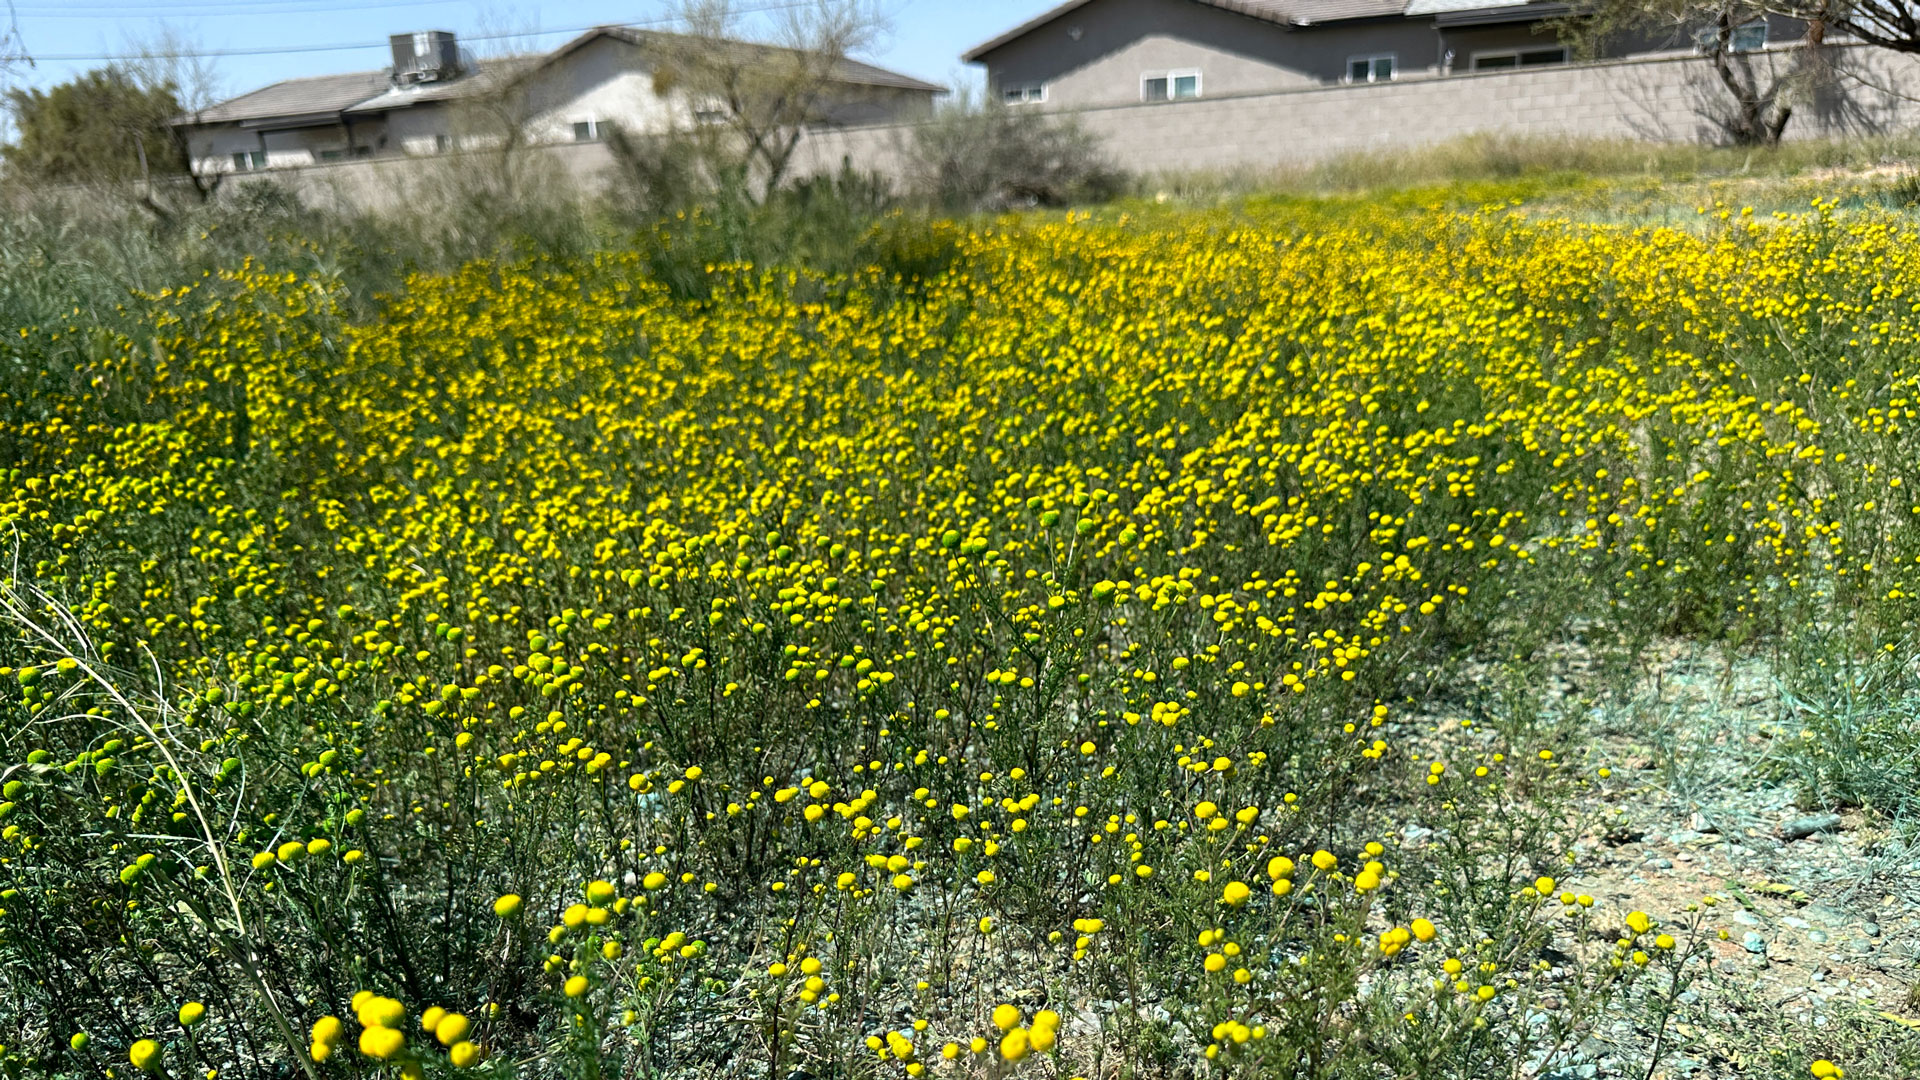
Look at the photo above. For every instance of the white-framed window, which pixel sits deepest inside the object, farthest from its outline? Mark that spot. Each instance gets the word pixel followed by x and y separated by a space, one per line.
pixel 591 130
pixel 1169 85
pixel 1023 93
pixel 1495 59
pixel 1374 67
pixel 1747 37
pixel 442 143
pixel 249 160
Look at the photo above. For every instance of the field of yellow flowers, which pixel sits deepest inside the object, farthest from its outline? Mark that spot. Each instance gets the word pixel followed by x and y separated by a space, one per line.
pixel 1019 667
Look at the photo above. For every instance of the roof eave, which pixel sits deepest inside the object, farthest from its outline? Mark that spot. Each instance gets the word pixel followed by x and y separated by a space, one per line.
pixel 1237 7
pixel 973 55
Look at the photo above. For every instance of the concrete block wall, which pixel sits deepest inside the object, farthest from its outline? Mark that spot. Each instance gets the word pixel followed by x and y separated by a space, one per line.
pixel 1671 98
pixel 1667 98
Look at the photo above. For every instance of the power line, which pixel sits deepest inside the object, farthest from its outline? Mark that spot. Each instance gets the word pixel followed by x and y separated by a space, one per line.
pixel 282 50
pixel 211 9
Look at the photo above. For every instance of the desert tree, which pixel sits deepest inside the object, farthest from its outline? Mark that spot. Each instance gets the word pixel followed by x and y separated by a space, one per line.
pixel 1757 87
pixel 749 104
pixel 1888 24
pixel 117 127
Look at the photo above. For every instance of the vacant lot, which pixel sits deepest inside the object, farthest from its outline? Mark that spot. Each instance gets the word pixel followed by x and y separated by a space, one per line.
pixel 1321 640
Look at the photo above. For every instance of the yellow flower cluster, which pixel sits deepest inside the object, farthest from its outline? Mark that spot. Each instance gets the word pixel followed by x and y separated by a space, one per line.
pixel 744 649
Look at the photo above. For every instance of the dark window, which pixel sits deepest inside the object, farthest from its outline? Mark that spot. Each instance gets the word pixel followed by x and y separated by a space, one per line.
pixel 1153 89
pixel 583 131
pixel 1494 61
pixel 1367 69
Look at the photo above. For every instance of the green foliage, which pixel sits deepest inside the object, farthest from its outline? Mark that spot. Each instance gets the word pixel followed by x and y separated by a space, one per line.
pixel 991 158
pixel 105 126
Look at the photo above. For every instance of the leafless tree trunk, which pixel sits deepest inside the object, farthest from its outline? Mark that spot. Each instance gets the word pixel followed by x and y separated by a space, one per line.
pixel 173 59
pixel 762 97
pixel 1765 92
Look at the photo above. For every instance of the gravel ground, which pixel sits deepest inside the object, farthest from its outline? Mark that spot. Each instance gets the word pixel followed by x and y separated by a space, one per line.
pixel 1821 905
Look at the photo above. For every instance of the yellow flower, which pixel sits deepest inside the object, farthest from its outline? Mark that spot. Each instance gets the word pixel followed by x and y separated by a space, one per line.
pixel 381 1043
pixel 191 1013
pixel 1235 894
pixel 451 1029
pixel 145 1055
pixel 576 986
pixel 1006 1017
pixel 327 1030
pixel 507 906
pixel 463 1055
pixel 1638 921
pixel 1544 886
pixel 1324 860
pixel 1423 930
pixel 1014 1044
pixel 653 881
pixel 374 1010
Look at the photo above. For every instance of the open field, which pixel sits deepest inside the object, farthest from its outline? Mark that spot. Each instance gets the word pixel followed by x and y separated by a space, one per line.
pixel 1280 640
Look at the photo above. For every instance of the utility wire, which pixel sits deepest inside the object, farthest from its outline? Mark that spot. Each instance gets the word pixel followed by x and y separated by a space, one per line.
pixel 280 50
pixel 216 11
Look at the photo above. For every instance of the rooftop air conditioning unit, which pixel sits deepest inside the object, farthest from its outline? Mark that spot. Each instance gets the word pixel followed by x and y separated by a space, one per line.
pixel 424 56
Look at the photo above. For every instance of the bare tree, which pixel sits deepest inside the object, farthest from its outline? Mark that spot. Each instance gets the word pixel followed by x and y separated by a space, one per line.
pixel 496 107
pixel 1889 24
pixel 13 54
pixel 170 58
pixel 750 103
pixel 1759 86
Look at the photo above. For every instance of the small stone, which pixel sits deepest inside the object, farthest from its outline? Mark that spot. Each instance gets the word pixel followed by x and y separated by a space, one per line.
pixel 1801 828
pixel 1871 929
pixel 1818 937
pixel 1746 918
pixel 1754 943
pixel 1662 864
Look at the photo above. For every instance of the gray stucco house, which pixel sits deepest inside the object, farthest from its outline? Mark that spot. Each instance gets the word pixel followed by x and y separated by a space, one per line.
pixel 1090 53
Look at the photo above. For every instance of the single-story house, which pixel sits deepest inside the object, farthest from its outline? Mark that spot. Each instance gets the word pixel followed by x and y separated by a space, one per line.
pixel 435 98
pixel 1087 53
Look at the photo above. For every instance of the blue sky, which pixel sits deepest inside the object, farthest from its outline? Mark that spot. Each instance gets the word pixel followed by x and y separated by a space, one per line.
pixel 925 40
